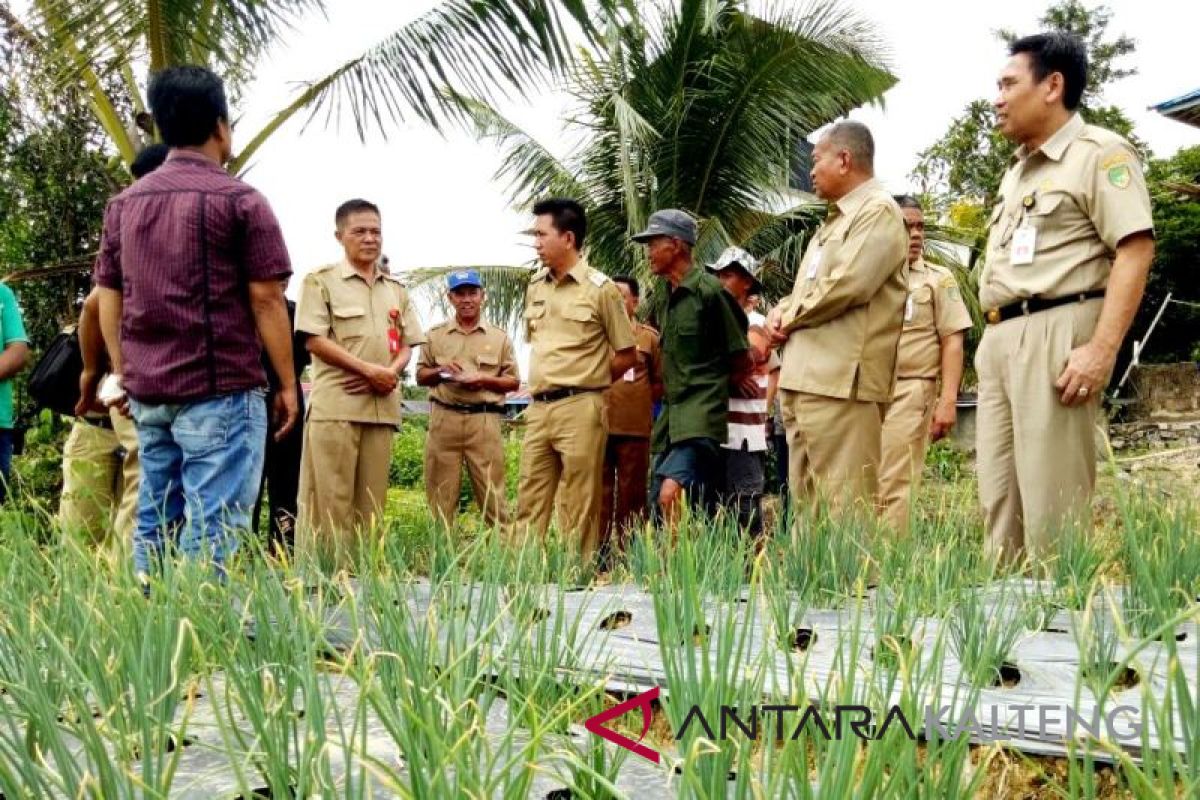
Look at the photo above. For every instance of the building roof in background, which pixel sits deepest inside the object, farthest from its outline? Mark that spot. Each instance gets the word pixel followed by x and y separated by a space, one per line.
pixel 1185 108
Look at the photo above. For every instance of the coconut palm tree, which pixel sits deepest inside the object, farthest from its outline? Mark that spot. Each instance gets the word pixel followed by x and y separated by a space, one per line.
pixel 698 106
pixel 472 47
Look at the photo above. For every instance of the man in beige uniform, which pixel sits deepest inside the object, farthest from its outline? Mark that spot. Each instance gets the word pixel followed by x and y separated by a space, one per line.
pixel 630 404
pixel 581 340
pixel 100 457
pixel 841 324
pixel 1069 248
pixel 101 469
pixel 361 328
pixel 471 366
pixel 931 345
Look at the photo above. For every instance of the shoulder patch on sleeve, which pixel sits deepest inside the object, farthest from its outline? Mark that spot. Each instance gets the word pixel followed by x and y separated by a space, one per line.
pixel 598 278
pixel 1119 175
pixel 948 282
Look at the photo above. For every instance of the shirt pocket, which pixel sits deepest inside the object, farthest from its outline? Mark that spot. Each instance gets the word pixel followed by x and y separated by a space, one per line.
pixel 488 363
pixel 1044 207
pixel 535 314
pixel 580 313
pixel 920 301
pixel 350 323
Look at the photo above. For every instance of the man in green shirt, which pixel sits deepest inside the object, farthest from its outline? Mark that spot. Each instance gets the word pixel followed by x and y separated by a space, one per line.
pixel 704 358
pixel 13 358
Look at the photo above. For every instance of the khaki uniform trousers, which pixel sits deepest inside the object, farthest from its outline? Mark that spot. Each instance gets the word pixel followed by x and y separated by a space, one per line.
pixel 456 438
pixel 1035 457
pixel 905 441
pixel 833 448
pixel 99 485
pixel 562 456
pixel 343 485
pixel 624 487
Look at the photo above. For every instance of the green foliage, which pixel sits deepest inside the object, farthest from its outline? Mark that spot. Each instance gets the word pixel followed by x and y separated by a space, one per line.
pixel 960 175
pixel 700 108
pixel 966 164
pixel 478 48
pixel 56 174
pixel 1176 255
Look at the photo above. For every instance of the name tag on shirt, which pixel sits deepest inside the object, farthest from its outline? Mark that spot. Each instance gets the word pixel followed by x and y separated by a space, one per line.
pixel 813 264
pixel 908 309
pixel 1024 243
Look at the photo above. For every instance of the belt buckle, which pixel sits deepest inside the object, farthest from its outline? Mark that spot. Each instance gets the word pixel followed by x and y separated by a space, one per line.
pixel 993 316
pixel 1025 307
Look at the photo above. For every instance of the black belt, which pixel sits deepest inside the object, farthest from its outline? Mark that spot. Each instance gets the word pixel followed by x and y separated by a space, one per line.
pixel 1032 305
pixel 98 422
pixel 475 408
pixel 555 395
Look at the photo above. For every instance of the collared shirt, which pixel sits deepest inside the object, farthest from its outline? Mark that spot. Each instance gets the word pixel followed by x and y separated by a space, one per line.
pixel 339 304
pixel 846 307
pixel 630 399
pixel 180 245
pixel 574 326
pixel 703 329
pixel 1081 193
pixel 485 349
pixel 933 310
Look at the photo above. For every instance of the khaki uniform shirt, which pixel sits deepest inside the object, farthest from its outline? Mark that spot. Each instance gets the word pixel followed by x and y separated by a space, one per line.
pixel 847 306
pixel 934 310
pixel 573 327
pixel 337 303
pixel 631 398
pixel 1081 193
pixel 486 349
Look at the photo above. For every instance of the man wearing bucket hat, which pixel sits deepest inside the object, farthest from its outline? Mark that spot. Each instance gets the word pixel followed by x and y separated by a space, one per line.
pixel 470 365
pixel 745 449
pixel 704 348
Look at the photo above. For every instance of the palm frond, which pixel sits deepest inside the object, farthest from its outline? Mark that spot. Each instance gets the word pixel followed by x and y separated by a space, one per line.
pixel 475 48
pixel 530 168
pixel 169 32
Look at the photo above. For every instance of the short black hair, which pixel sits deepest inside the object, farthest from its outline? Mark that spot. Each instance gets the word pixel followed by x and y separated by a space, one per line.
pixel 629 281
pixel 566 214
pixel 187 103
pixel 148 159
pixel 1057 52
pixel 907 201
pixel 351 206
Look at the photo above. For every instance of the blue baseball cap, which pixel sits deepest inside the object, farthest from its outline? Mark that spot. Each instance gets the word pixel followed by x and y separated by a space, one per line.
pixel 463 277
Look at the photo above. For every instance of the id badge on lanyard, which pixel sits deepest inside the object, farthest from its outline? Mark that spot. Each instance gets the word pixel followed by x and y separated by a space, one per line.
pixel 1024 238
pixel 814 264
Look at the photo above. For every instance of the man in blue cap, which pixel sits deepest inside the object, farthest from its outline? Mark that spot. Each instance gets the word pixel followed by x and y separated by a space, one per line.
pixel 470 365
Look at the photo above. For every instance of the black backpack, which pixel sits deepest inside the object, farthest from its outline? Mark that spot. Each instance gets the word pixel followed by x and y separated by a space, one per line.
pixel 54 382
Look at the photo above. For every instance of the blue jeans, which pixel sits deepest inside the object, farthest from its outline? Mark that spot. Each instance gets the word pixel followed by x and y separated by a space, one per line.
pixel 201 466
